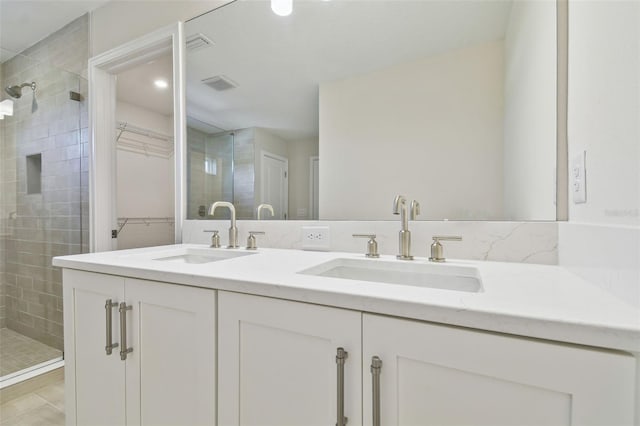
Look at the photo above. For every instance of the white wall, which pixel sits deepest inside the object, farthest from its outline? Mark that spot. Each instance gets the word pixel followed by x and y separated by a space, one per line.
pixel 120 21
pixel 144 118
pixel 604 108
pixel 299 175
pixel 145 183
pixel 530 111
pixel 601 242
pixel 430 129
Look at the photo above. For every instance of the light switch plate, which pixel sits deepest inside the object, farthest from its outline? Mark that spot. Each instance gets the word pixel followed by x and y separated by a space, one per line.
pixel 578 178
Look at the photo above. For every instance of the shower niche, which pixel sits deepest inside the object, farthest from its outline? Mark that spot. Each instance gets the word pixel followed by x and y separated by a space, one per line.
pixel 34 174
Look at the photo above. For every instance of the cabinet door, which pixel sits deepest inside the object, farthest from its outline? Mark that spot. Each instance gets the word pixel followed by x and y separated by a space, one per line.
pixel 277 362
pixel 94 381
pixel 434 374
pixel 171 377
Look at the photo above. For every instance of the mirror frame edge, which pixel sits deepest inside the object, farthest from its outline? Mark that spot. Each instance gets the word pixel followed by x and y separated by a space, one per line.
pixel 562 99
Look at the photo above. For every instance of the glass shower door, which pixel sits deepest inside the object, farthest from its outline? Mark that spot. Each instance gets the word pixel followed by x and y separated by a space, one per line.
pixel 43 208
pixel 211 165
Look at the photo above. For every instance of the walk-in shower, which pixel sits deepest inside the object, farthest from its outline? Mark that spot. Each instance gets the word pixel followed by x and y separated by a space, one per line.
pixel 41 211
pixel 16 93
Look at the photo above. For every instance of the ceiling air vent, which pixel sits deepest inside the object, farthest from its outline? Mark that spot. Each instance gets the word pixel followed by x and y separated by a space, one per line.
pixel 220 83
pixel 197 42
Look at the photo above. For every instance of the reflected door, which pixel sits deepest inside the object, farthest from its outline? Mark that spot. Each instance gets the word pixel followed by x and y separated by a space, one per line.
pixel 314 187
pixel 275 184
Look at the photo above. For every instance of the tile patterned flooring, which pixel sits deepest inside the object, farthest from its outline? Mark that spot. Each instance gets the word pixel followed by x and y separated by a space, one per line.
pixel 42 407
pixel 18 352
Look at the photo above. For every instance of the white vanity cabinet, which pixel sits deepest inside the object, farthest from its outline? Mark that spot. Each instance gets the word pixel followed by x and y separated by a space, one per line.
pixel 281 363
pixel 277 367
pixel 277 362
pixel 169 376
pixel 440 375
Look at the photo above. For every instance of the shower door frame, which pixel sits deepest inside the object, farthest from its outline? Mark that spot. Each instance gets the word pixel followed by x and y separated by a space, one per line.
pixel 102 134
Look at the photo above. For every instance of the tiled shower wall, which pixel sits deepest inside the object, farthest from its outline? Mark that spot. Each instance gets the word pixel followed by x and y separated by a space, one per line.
pixel 244 173
pixel 36 227
pixel 204 188
pixel 202 192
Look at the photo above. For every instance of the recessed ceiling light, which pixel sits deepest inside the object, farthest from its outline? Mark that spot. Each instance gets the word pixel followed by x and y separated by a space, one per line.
pixel 161 84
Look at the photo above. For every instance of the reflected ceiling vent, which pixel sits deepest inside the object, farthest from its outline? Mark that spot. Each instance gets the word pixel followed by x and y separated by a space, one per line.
pixel 220 83
pixel 197 42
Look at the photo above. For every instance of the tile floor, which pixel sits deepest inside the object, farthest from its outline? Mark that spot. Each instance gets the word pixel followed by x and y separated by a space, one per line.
pixel 18 352
pixel 42 407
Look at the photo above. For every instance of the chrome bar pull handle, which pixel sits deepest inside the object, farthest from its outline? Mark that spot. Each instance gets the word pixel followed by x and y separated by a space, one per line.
pixel 109 304
pixel 376 366
pixel 341 358
pixel 123 331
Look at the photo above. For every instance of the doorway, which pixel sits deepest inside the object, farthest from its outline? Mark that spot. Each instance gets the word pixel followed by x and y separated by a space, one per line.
pixel 314 187
pixel 103 194
pixel 145 154
pixel 275 184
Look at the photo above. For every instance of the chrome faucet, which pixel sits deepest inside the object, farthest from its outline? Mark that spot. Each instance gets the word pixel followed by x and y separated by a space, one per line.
pixel 233 231
pixel 406 213
pixel 268 207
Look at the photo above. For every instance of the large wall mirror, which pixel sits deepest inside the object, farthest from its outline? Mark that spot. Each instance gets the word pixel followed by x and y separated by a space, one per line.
pixel 330 112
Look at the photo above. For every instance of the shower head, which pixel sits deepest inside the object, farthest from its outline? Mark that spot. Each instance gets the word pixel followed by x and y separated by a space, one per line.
pixel 16 91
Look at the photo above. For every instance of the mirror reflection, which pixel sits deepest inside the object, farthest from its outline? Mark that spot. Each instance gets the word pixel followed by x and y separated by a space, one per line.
pixel 330 112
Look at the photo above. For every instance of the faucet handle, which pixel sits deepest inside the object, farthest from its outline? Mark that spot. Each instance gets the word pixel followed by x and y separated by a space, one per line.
pixel 437 251
pixel 251 240
pixel 215 238
pixel 372 244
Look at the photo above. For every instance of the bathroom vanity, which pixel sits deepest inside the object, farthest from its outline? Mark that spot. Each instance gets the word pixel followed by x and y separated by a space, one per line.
pixel 201 336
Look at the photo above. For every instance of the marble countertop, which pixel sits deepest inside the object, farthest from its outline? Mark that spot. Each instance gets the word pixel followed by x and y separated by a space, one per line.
pixel 539 301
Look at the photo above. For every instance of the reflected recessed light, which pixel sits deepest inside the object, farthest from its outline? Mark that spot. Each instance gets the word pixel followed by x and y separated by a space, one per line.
pixel 161 84
pixel 282 7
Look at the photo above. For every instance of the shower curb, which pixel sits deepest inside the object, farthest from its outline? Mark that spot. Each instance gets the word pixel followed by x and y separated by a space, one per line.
pixel 27 386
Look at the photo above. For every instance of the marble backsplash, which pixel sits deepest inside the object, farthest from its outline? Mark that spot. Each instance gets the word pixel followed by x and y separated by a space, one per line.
pixel 524 242
pixel 605 255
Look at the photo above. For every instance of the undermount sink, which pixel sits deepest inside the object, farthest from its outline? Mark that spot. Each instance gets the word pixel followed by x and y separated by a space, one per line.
pixel 198 256
pixel 413 273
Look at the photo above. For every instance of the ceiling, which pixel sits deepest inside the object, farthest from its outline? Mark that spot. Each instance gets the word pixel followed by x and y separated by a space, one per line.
pixel 23 23
pixel 279 62
pixel 136 87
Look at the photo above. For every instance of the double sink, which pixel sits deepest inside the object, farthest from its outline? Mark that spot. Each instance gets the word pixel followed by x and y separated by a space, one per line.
pixel 394 272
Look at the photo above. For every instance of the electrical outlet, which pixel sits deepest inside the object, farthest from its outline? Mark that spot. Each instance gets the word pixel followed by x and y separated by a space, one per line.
pixel 315 238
